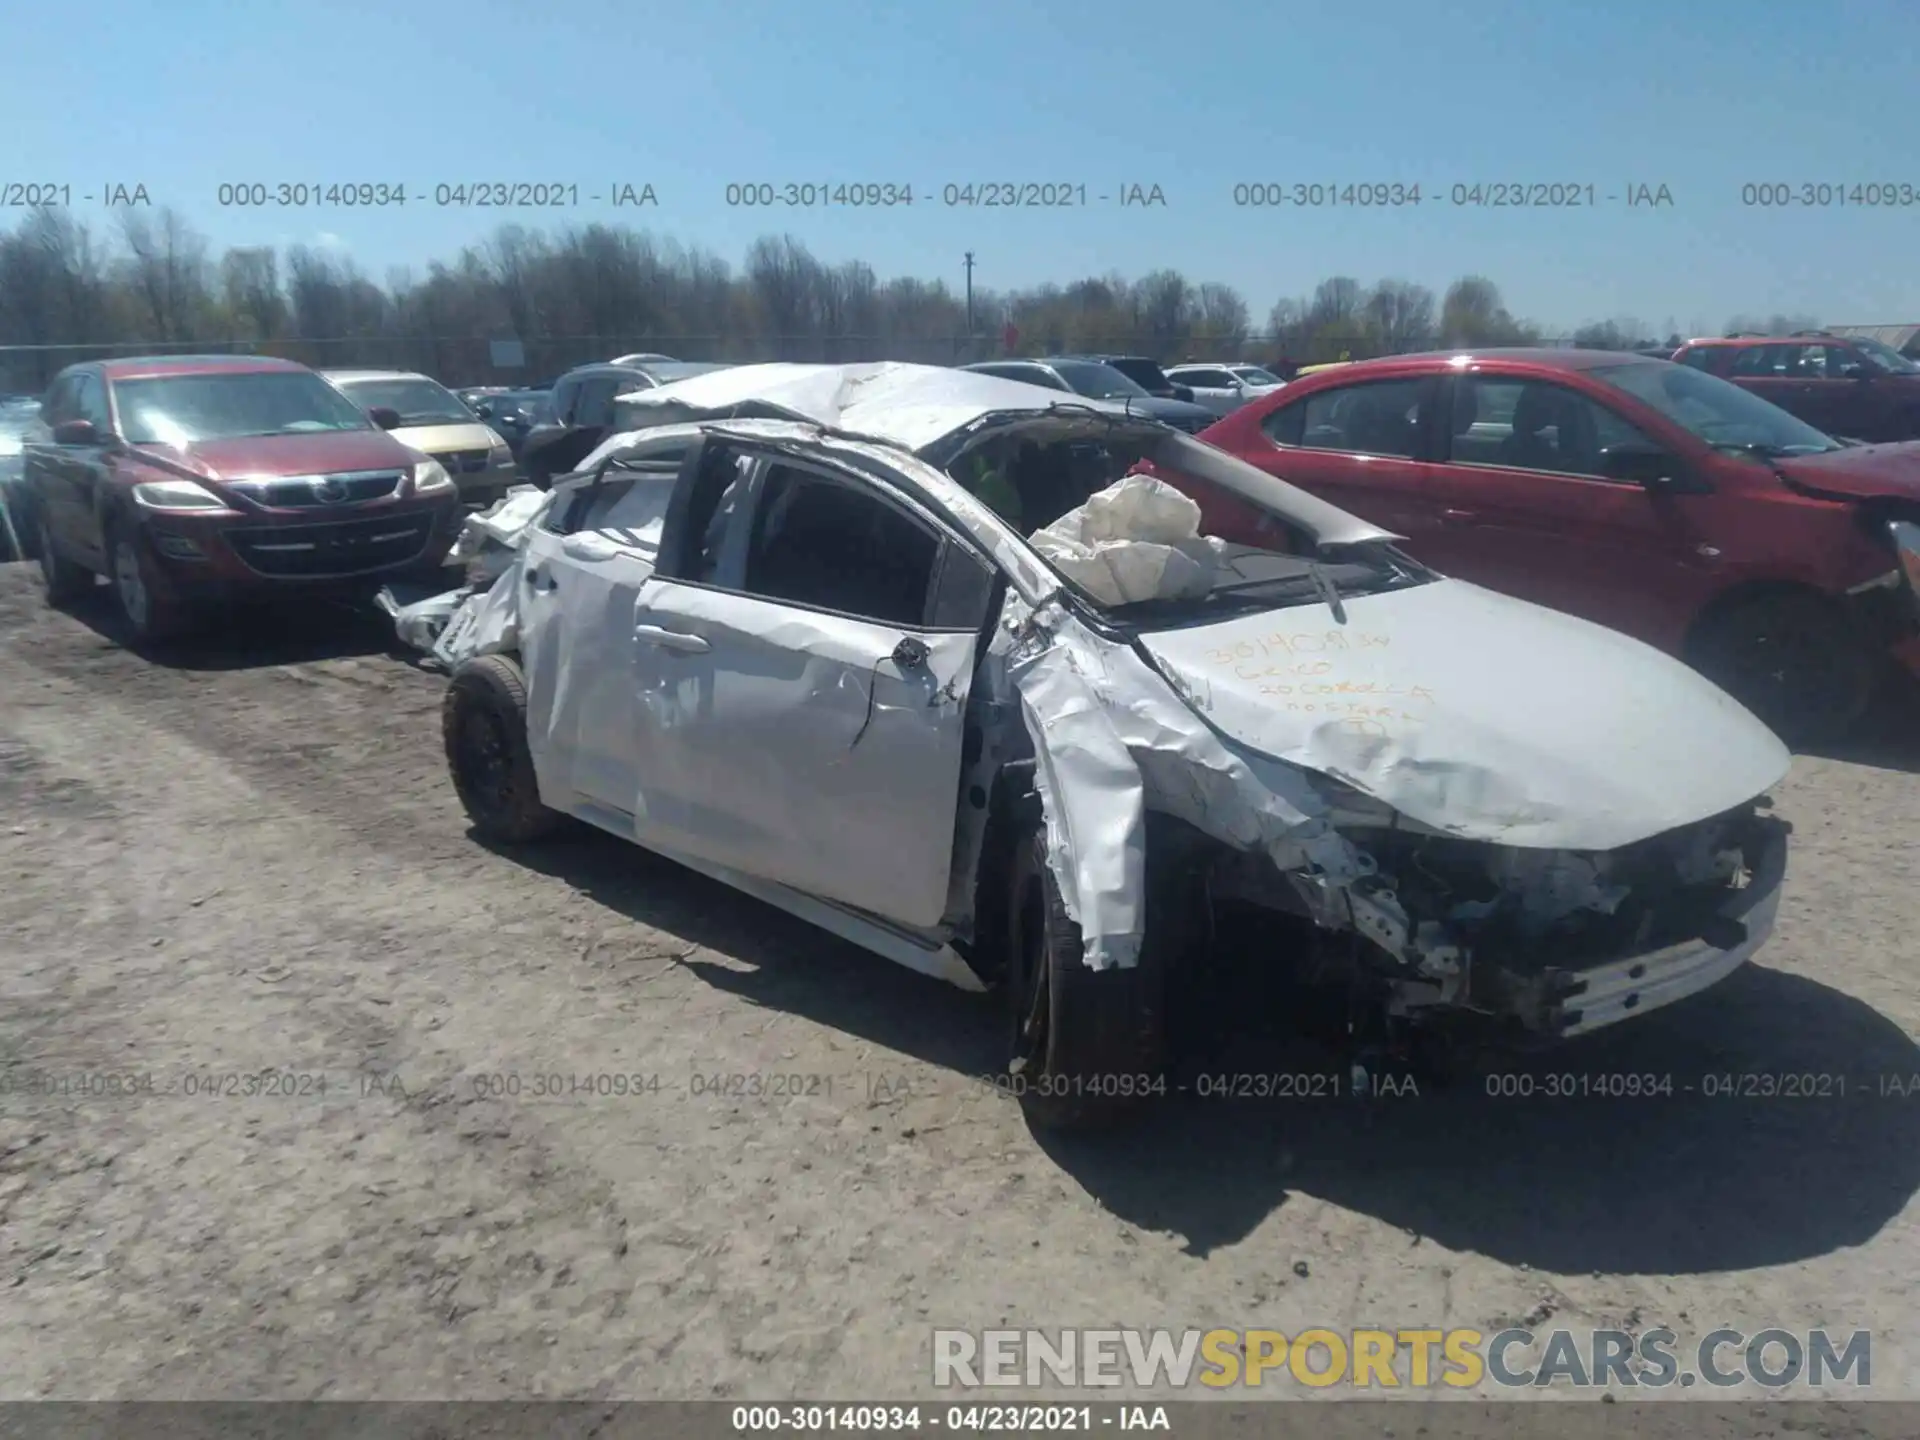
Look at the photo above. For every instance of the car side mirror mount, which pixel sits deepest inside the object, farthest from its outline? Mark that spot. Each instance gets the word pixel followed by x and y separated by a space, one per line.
pixel 1660 472
pixel 385 416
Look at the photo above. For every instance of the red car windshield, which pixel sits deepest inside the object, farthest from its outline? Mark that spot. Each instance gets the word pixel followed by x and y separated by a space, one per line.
pixel 1714 410
pixel 182 409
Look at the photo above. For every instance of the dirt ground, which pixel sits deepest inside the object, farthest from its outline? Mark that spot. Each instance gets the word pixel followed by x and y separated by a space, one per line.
pixel 249 858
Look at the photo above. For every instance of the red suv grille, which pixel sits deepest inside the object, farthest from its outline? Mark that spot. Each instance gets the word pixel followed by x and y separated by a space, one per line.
pixel 352 547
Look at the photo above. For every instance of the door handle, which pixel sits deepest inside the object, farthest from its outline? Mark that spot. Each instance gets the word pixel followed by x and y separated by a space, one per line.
pixel 676 640
pixel 1458 517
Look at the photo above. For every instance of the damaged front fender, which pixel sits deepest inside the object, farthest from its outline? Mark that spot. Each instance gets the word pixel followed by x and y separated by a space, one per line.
pixel 1111 741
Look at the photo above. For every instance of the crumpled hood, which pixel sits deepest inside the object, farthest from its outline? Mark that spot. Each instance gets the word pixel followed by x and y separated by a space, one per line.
pixel 1861 472
pixel 453 435
pixel 1480 715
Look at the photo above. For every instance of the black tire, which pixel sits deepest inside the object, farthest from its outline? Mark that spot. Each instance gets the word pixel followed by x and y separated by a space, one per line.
pixel 1087 1048
pixel 1795 660
pixel 149 614
pixel 61 579
pixel 483 723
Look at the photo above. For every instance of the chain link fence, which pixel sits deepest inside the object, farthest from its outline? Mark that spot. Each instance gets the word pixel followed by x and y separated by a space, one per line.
pixel 472 360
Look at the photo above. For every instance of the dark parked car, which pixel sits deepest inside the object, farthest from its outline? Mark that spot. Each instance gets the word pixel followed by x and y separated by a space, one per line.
pixel 1644 495
pixel 1846 385
pixel 582 412
pixel 1098 381
pixel 19 420
pixel 188 480
pixel 1145 372
pixel 513 413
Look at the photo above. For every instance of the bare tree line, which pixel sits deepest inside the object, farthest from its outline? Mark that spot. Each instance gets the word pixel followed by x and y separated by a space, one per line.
pixel 69 293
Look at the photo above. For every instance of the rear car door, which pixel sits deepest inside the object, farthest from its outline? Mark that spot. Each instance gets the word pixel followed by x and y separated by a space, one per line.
pixel 1363 446
pixel 1772 372
pixel 1528 509
pixel 584 566
pixel 803 669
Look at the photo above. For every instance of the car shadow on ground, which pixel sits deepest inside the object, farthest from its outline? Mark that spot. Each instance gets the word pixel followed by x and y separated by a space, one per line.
pixel 772 959
pixel 1888 738
pixel 1778 1118
pixel 255 636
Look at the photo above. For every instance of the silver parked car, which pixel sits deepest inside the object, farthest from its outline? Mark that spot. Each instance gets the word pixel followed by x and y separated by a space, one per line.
pixel 768 632
pixel 1225 388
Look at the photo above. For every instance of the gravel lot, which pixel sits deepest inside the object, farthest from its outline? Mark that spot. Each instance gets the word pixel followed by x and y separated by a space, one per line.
pixel 250 858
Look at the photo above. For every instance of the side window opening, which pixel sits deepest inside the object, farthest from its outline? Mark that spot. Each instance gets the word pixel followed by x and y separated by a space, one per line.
pixel 823 543
pixel 713 505
pixel 1381 417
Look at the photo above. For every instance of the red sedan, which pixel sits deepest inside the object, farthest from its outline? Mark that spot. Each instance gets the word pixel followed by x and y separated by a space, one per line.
pixel 1647 496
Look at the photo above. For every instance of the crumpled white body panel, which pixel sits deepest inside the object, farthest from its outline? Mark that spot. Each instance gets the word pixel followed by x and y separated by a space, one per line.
pixel 1480 715
pixel 1112 740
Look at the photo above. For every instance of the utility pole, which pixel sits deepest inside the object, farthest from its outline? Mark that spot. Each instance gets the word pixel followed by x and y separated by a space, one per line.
pixel 969 295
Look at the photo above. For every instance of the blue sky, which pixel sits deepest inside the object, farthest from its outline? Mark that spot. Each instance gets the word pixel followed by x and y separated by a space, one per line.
pixel 1701 96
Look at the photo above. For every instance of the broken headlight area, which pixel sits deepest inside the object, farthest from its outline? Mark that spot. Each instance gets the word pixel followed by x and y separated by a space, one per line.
pixel 1521 934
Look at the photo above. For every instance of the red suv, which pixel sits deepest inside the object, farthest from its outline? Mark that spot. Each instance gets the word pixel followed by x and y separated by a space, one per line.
pixel 191 479
pixel 1647 496
pixel 1846 385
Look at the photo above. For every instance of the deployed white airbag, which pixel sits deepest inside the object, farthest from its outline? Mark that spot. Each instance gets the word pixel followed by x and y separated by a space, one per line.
pixel 1138 539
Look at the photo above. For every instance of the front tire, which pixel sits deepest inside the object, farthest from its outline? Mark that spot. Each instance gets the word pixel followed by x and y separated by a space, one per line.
pixel 1795 661
pixel 1087 1048
pixel 483 722
pixel 149 614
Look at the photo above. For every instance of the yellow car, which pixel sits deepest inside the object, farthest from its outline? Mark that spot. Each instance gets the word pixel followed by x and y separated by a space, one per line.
pixel 1323 365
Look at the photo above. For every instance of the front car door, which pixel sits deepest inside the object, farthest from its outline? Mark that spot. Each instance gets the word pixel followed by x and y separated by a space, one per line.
pixel 1848 399
pixel 1529 509
pixel 1216 390
pixel 66 476
pixel 803 666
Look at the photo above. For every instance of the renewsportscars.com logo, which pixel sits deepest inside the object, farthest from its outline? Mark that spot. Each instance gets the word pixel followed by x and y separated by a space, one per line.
pixel 1393 1359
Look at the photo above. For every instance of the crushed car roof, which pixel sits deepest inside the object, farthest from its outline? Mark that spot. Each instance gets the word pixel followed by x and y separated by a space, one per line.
pixel 923 408
pixel 912 406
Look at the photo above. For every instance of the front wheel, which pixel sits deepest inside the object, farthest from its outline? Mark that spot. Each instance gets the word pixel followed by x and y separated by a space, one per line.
pixel 1087 1047
pixel 1795 660
pixel 146 609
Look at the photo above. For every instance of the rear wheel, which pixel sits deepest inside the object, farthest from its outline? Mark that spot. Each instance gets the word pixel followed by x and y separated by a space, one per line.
pixel 1087 1048
pixel 1795 660
pixel 483 722
pixel 63 580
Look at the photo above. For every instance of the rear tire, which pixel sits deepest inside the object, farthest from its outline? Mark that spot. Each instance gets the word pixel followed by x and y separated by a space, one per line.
pixel 483 723
pixel 1795 660
pixel 61 579
pixel 1087 1048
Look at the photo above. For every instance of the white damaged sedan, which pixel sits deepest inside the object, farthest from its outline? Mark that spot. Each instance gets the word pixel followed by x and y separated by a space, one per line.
pixel 774 631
